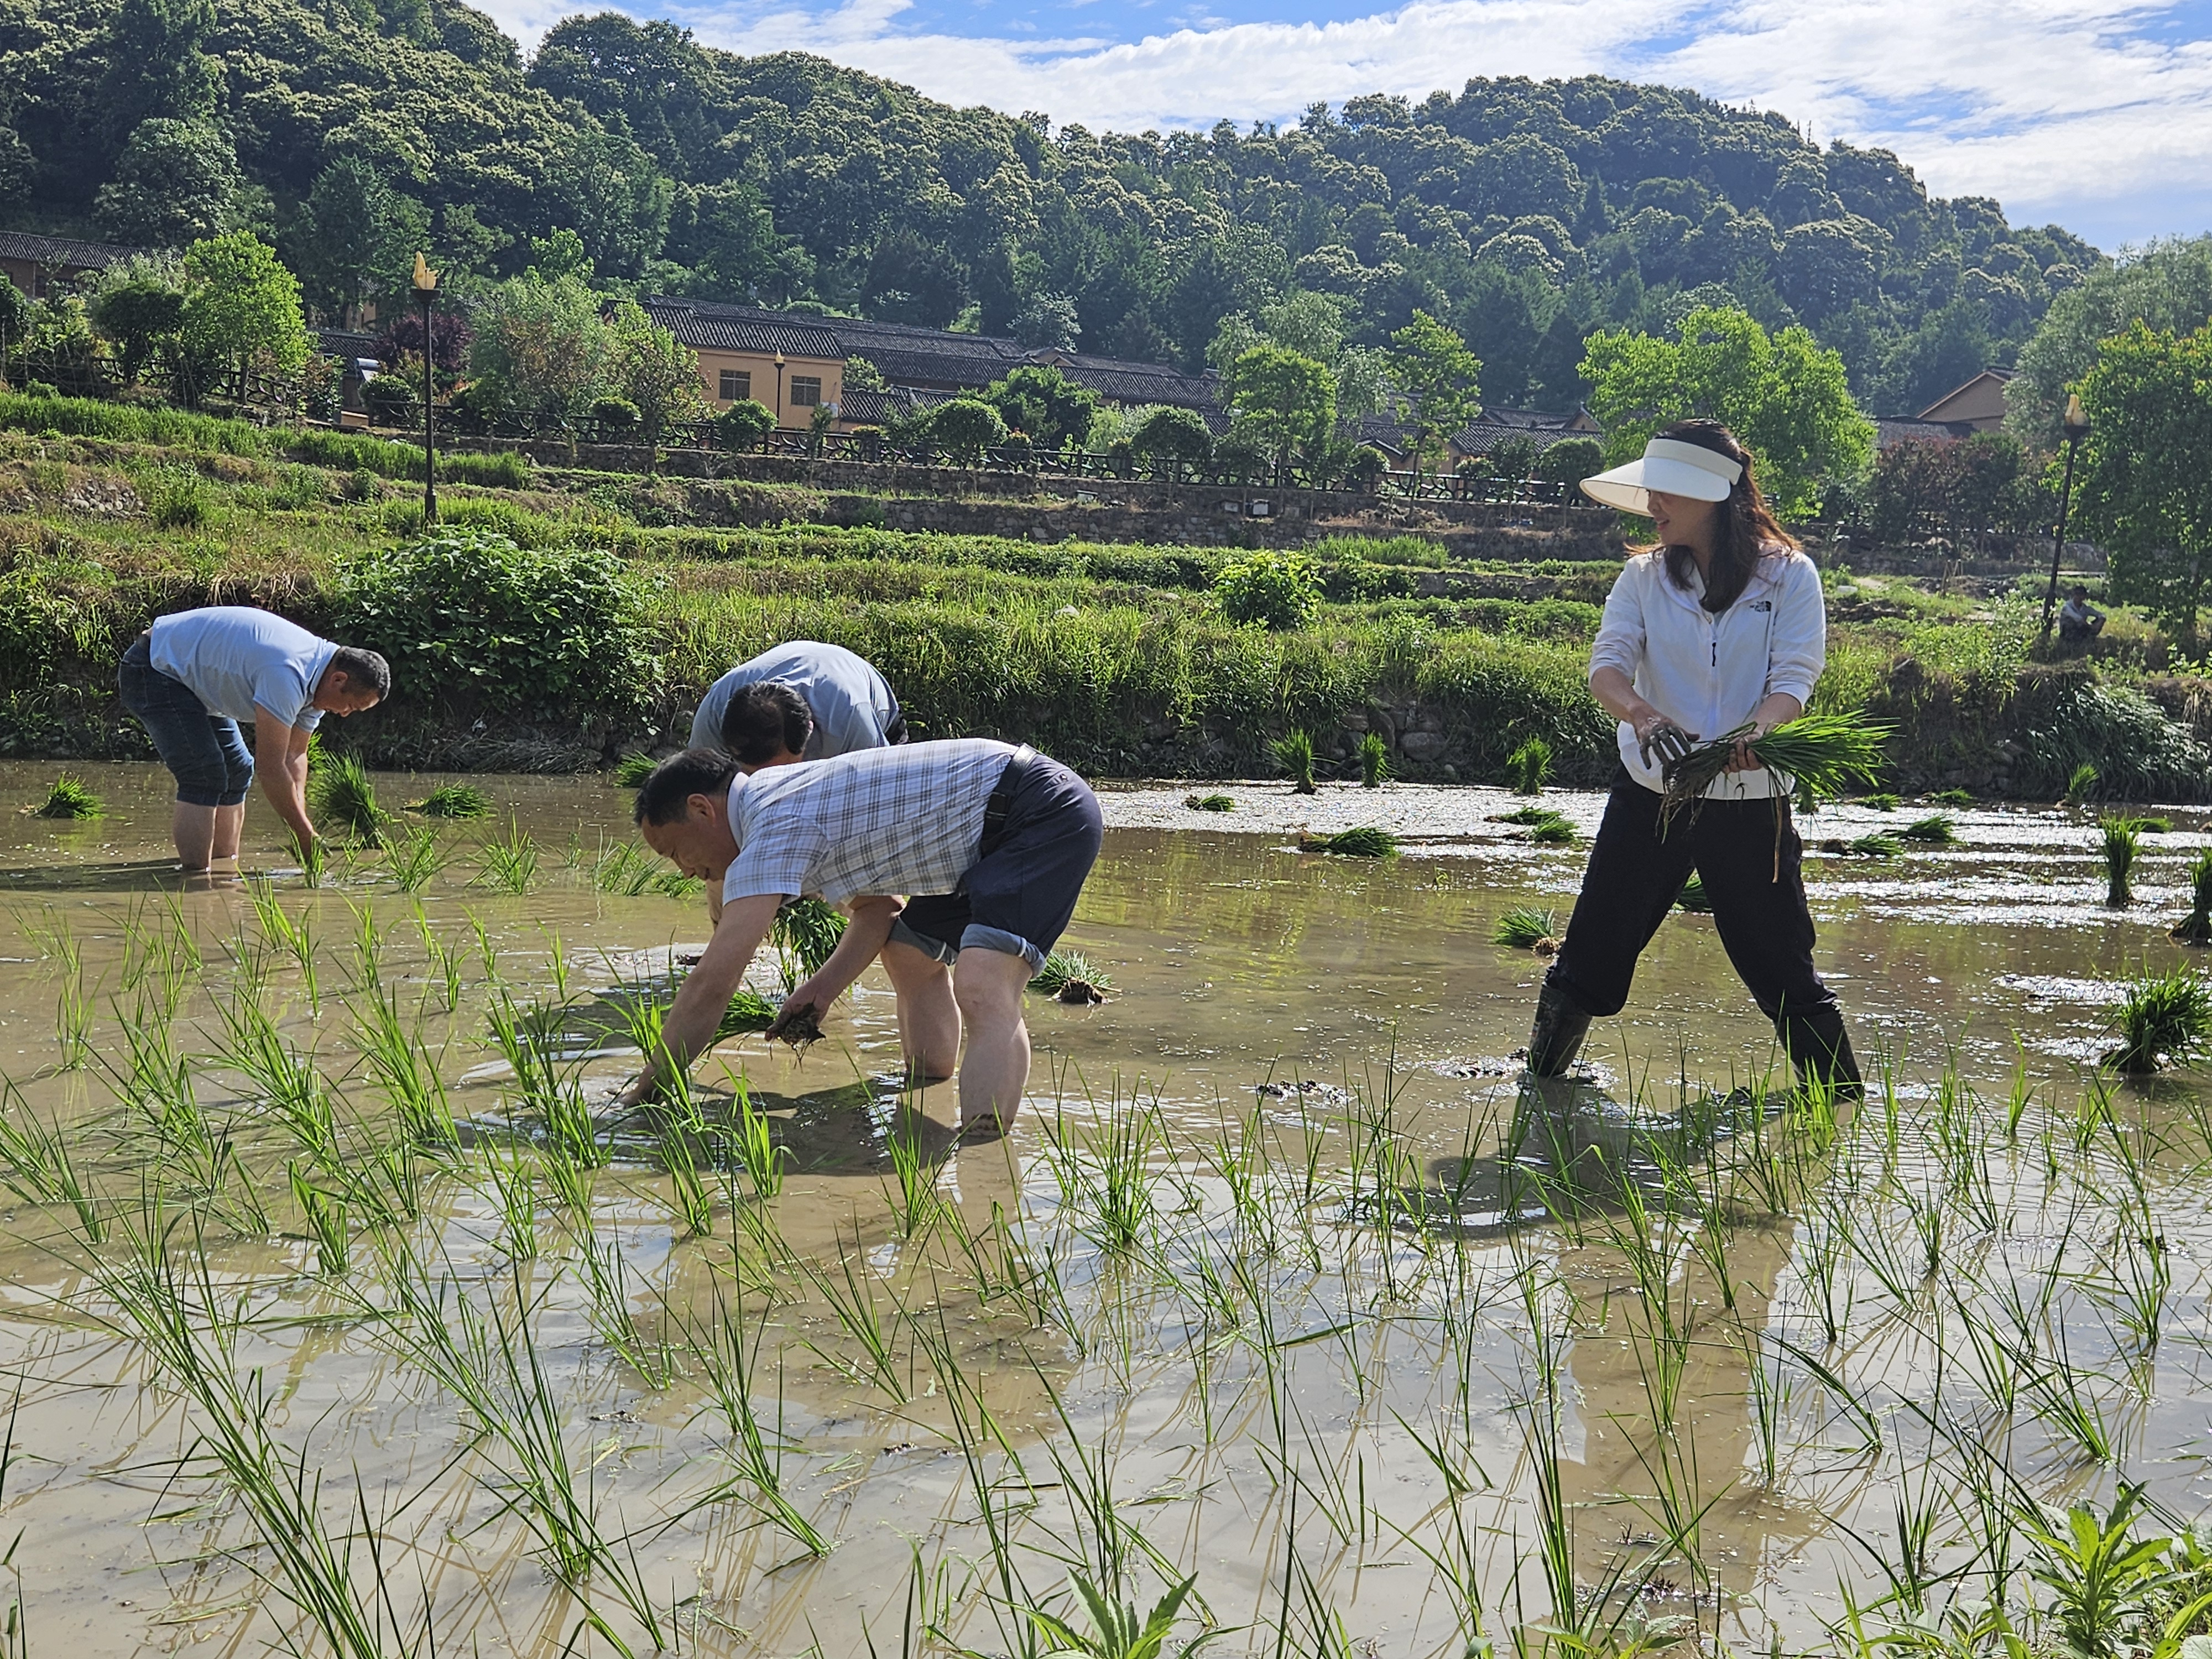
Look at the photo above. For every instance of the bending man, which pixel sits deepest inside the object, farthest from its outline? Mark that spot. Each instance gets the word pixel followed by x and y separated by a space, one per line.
pixel 193 676
pixel 1001 840
pixel 799 700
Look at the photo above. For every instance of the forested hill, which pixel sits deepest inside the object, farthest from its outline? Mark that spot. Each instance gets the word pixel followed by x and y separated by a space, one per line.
pixel 1525 213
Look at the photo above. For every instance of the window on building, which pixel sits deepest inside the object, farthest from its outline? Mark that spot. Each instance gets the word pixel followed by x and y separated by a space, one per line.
pixel 737 386
pixel 805 391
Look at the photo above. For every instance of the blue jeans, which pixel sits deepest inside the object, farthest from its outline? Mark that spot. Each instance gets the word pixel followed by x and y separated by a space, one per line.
pixel 212 765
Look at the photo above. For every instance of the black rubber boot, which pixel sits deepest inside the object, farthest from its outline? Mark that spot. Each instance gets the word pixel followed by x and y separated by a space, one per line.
pixel 1557 1036
pixel 1820 1049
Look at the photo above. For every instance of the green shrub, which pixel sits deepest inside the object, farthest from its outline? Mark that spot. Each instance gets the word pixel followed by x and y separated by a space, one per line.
pixel 741 426
pixel 2136 752
pixel 390 400
pixel 965 427
pixel 1173 434
pixel 468 614
pixel 618 416
pixel 178 499
pixel 1268 589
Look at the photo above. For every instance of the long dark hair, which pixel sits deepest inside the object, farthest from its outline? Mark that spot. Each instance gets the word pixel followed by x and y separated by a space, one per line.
pixel 1742 528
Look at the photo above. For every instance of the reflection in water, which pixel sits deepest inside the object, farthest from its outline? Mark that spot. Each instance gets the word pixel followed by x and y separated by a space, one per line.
pixel 1296 1285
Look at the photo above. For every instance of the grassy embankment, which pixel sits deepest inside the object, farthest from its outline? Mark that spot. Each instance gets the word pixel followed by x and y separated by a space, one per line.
pixel 1115 657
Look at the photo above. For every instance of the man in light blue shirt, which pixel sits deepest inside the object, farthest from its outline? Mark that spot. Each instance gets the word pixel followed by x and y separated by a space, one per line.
pixel 832 702
pixel 195 675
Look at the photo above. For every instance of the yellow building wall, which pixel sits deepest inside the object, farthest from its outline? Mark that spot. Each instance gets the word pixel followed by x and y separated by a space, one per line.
pixel 761 366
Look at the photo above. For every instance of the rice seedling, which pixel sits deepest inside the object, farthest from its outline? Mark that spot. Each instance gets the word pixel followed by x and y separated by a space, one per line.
pixel 279 927
pixel 631 771
pixel 414 859
pixel 404 1071
pixel 728 1364
pixel 1879 845
pixel 1374 761
pixel 445 962
pixel 515 1192
pixel 855 1311
pixel 1294 753
pixel 1555 831
pixel 1528 768
pixel 1831 754
pixel 40 1168
pixel 624 867
pixel 607 1276
pixel 455 801
pixel 1952 798
pixel 2081 785
pixel 1692 897
pixel 2196 927
pixel 2164 1018
pixel 1071 978
pixel 1210 803
pixel 2149 824
pixel 1937 830
pixel 1526 816
pixel 1363 841
pixel 325 1216
pixel 508 863
pixel 2121 844
pixel 917 1204
pixel 1525 927
pixel 342 794
pixel 1882 803
pixel 72 798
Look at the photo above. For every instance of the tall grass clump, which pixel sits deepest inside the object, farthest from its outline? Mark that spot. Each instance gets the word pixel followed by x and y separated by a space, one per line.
pixel 2121 845
pixel 2165 1017
pixel 2196 927
pixel 178 498
pixel 1294 753
pixel 72 797
pixel 1528 768
pixel 342 792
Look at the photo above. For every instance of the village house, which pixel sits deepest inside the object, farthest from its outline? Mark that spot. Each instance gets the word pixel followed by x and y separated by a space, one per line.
pixel 40 264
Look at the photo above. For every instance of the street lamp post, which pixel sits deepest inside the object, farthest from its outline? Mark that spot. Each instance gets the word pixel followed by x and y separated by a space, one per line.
pixel 426 294
pixel 2077 427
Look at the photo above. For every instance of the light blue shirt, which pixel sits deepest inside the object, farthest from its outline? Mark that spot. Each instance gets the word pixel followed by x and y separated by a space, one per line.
pixel 235 659
pixel 852 704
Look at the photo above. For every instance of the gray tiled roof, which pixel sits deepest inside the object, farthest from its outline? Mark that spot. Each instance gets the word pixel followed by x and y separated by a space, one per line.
pixel 733 328
pixel 63 251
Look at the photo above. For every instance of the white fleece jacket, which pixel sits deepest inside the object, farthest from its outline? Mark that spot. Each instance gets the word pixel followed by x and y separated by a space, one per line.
pixel 1709 672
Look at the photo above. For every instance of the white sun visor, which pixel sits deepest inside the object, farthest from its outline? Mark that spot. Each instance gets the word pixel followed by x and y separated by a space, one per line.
pixel 1671 467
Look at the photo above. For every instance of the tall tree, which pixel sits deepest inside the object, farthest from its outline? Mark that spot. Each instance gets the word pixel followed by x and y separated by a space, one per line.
pixel 1285 400
pixel 1431 365
pixel 242 308
pixel 2147 491
pixel 177 182
pixel 654 370
pixel 358 238
pixel 541 348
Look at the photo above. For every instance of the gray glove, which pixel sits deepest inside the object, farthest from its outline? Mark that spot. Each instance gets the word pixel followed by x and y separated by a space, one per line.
pixel 1671 742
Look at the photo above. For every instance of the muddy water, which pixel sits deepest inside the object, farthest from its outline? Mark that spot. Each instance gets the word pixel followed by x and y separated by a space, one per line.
pixel 1246 975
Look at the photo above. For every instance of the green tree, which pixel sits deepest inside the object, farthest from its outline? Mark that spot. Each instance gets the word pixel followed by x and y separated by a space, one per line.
pixel 1571 460
pixel 1044 403
pixel 541 349
pixel 2167 285
pixel 1431 365
pixel 241 308
pixel 722 244
pixel 965 427
pixel 2146 490
pixel 358 238
pixel 1783 395
pixel 177 182
pixel 742 425
pixel 1285 400
pixel 144 315
pixel 654 371
pixel 1173 434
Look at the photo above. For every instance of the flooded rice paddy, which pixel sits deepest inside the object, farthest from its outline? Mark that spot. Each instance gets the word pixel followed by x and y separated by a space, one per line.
pixel 334 1320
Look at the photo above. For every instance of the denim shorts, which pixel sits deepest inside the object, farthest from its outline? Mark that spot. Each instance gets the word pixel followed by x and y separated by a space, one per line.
pixel 1020 895
pixel 212 765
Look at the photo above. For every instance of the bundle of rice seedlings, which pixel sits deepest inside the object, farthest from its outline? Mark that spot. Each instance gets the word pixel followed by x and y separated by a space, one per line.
pixel 1876 846
pixel 808 929
pixel 1936 829
pixel 2081 785
pixel 749 1011
pixel 1952 798
pixel 341 793
pixel 1879 803
pixel 1528 768
pixel 1555 831
pixel 2121 846
pixel 1828 754
pixel 1526 815
pixel 456 801
pixel 1693 896
pixel 1374 761
pixel 1365 841
pixel 633 770
pixel 2195 928
pixel 1210 803
pixel 2166 1017
pixel 71 798
pixel 1070 976
pixel 1525 927
pixel 1294 753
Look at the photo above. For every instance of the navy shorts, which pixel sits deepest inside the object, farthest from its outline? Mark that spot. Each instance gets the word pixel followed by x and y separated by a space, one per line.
pixel 1020 895
pixel 212 765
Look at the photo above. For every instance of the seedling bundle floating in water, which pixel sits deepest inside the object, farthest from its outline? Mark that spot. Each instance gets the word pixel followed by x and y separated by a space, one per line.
pixel 71 798
pixel 1364 843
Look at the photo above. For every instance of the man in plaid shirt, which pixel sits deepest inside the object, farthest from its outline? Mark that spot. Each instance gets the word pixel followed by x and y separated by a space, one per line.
pixel 968 855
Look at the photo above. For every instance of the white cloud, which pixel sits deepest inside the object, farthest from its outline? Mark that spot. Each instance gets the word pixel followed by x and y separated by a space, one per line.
pixel 2044 104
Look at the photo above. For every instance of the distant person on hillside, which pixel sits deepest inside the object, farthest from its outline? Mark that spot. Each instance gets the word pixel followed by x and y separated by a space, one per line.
pixel 2078 623
pixel 193 676
pixel 799 700
pixel 1719 626
pixel 993 843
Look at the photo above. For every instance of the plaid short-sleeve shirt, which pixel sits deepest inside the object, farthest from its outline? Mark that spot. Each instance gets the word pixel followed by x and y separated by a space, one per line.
pixel 905 820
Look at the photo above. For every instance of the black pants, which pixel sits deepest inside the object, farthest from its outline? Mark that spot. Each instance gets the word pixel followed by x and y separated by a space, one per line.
pixel 1759 905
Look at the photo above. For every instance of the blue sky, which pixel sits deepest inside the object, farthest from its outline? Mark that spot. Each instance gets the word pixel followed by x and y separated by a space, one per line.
pixel 2096 114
